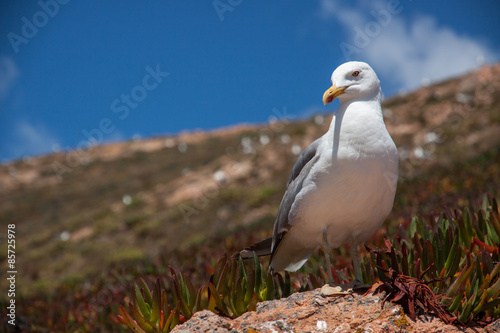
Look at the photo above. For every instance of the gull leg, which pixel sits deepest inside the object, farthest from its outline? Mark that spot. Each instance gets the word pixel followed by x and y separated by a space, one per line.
pixel 326 250
pixel 331 288
pixel 357 284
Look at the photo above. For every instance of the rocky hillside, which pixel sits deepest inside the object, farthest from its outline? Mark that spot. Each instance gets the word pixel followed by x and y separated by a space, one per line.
pixel 79 211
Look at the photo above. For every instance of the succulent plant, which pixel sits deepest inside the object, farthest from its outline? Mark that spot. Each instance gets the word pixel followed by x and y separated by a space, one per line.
pixel 457 253
pixel 234 288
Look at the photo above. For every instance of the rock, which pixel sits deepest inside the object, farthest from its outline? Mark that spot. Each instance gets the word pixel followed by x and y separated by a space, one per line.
pixel 312 312
pixel 205 321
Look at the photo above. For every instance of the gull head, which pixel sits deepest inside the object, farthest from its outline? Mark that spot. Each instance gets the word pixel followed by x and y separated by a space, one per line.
pixel 353 80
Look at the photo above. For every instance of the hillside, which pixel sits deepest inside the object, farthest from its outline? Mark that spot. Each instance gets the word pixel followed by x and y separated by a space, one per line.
pixel 82 214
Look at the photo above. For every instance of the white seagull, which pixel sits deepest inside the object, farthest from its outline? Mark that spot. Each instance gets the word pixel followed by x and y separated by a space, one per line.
pixel 342 186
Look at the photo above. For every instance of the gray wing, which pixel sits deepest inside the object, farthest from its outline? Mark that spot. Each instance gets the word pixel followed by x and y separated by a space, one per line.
pixel 300 171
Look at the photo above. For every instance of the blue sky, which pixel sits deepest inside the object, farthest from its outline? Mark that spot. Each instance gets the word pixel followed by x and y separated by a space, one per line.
pixel 73 71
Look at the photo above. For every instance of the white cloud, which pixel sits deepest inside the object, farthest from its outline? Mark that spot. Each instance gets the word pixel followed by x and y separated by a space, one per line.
pixel 29 139
pixel 423 51
pixel 408 52
pixel 8 76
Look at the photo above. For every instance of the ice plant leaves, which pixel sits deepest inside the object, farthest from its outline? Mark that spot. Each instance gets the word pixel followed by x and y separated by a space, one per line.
pixel 234 288
pixel 412 294
pixel 457 255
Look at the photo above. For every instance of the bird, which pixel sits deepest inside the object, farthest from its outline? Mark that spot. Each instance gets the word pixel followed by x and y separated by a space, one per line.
pixel 342 186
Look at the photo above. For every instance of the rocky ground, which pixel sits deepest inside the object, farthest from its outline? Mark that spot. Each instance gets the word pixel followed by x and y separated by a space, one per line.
pixel 312 312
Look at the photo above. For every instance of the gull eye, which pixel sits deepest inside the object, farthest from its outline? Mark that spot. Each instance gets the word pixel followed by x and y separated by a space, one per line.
pixel 355 73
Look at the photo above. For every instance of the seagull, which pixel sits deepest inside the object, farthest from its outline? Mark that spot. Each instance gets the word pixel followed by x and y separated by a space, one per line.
pixel 342 185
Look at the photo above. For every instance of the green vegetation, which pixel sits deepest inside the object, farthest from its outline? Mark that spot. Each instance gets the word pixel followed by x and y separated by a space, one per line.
pixel 234 288
pixel 457 255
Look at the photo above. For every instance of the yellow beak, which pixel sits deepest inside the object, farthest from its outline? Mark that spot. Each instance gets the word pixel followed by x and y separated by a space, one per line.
pixel 332 93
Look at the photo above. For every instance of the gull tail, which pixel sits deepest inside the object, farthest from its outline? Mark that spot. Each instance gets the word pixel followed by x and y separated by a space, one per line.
pixel 262 248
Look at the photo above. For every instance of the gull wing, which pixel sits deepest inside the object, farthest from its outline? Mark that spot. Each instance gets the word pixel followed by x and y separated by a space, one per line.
pixel 300 171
